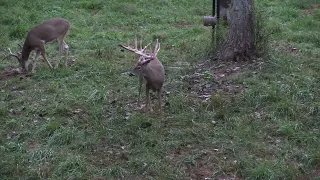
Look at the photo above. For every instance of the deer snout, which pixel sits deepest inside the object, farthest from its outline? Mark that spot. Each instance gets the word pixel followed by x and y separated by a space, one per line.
pixel 24 66
pixel 131 74
pixel 135 71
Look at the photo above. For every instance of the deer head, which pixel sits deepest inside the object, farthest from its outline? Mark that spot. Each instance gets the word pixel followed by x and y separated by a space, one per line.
pixel 150 69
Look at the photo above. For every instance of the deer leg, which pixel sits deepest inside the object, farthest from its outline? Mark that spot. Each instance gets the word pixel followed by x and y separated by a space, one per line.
pixel 63 49
pixel 44 57
pixel 35 61
pixel 160 100
pixel 140 88
pixel 60 52
pixel 66 49
pixel 43 53
pixel 148 104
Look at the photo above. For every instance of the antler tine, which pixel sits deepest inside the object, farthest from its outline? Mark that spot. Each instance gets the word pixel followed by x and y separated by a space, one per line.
pixel 156 48
pixel 141 44
pixel 135 49
pixel 150 49
pixel 11 54
pixel 146 47
pixel 135 41
pixel 141 53
pixel 10 51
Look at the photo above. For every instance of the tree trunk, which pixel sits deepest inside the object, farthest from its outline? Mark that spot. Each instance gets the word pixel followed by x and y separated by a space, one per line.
pixel 240 40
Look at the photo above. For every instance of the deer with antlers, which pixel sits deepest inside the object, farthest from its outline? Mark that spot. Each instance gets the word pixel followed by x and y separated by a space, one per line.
pixel 149 69
pixel 37 37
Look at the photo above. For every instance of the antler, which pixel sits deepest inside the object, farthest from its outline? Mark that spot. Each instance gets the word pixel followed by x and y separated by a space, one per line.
pixel 135 49
pixel 11 54
pixel 156 49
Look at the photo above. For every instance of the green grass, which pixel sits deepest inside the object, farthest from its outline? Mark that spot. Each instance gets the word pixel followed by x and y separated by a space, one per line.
pixel 75 123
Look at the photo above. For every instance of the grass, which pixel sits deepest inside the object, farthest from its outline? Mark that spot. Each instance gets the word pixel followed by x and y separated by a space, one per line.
pixel 76 122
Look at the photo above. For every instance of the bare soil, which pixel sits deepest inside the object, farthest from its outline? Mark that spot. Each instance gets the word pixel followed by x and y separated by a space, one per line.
pixel 311 10
pixel 203 167
pixel 216 76
pixel 9 73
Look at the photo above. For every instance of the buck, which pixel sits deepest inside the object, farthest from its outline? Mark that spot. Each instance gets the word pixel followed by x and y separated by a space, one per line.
pixel 37 37
pixel 150 70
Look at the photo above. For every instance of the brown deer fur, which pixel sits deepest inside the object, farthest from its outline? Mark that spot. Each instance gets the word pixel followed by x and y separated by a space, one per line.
pixel 150 69
pixel 37 37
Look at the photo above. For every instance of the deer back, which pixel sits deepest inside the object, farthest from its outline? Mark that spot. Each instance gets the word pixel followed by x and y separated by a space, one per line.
pixel 148 65
pixel 153 72
pixel 47 31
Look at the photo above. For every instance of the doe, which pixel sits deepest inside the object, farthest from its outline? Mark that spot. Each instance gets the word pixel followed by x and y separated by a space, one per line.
pixel 37 37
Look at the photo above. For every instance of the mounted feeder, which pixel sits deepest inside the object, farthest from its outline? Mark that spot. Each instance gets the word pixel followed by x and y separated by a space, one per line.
pixel 209 21
pixel 222 8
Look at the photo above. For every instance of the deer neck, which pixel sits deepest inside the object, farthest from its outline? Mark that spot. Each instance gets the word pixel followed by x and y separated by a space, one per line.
pixel 25 53
pixel 154 72
pixel 25 56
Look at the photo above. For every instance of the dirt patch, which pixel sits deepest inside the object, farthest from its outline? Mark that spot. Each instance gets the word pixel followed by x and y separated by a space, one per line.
pixel 109 155
pixel 31 146
pixel 312 10
pixel 315 173
pixel 288 49
pixel 197 165
pixel 9 73
pixel 200 167
pixel 218 77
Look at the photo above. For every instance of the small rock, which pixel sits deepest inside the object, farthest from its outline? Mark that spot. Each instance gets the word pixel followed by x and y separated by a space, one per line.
pixel 76 111
pixel 12 111
pixel 127 117
pixel 236 68
pixel 12 135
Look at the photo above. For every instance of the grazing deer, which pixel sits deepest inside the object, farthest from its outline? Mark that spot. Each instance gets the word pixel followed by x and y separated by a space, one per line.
pixel 150 69
pixel 37 37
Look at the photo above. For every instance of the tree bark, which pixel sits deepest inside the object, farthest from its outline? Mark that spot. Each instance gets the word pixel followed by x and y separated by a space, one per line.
pixel 240 40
